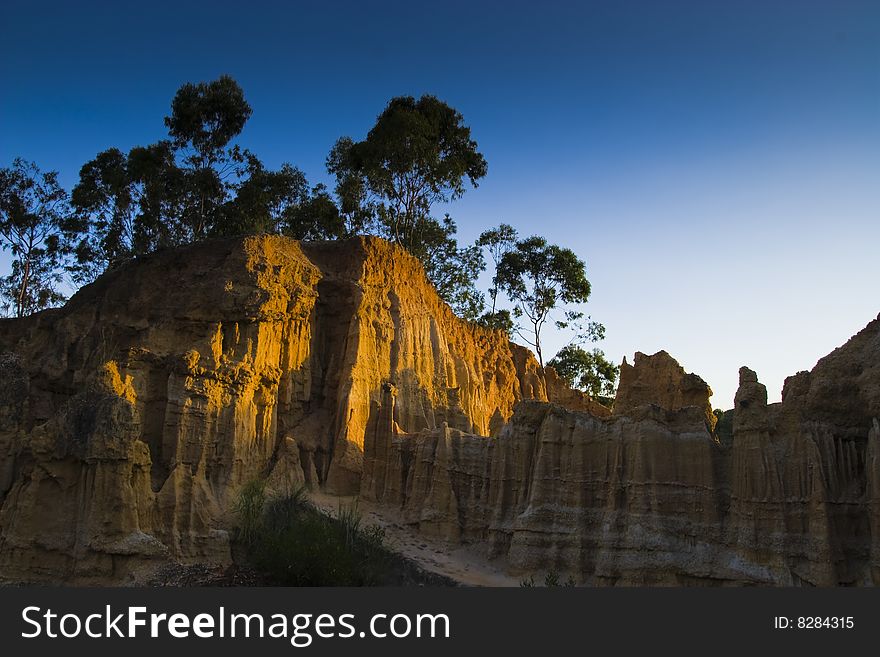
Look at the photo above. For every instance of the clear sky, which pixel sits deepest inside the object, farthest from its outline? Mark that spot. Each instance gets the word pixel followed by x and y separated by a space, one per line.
pixel 716 163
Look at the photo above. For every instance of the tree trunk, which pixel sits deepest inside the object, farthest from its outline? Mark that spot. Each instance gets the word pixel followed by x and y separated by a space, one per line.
pixel 538 345
pixel 25 276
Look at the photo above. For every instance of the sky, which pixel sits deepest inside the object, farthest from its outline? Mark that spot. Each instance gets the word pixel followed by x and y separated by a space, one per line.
pixel 715 164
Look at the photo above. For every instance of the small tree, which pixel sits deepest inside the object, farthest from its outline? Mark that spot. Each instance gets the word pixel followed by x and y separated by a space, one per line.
pixel 538 277
pixel 586 370
pixel 263 200
pixel 35 226
pixel 500 320
pixel 316 218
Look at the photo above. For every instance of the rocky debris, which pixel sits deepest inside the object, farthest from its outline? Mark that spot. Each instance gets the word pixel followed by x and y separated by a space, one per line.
pixel 200 574
pixel 402 572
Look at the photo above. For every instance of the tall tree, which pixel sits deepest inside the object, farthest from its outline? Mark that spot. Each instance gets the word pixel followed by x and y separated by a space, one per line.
pixel 132 205
pixel 205 118
pixel 418 154
pixel 104 196
pixel 538 277
pixel 36 228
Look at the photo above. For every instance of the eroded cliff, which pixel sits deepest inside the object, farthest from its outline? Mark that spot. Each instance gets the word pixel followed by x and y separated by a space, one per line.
pixel 131 417
pixel 649 495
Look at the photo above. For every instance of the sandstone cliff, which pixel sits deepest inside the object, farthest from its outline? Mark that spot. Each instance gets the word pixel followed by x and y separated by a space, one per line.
pixel 649 496
pixel 131 417
pixel 660 380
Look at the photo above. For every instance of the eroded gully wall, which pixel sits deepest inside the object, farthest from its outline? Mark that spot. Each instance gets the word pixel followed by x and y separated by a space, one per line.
pixel 649 495
pixel 131 417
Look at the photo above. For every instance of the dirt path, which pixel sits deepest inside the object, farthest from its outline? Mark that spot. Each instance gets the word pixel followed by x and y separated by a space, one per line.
pixel 458 562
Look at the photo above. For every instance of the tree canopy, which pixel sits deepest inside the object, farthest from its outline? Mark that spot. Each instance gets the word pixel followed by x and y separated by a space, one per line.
pixel 538 277
pixel 586 370
pixel 205 117
pixel 265 201
pixel 417 154
pixel 34 225
pixel 198 182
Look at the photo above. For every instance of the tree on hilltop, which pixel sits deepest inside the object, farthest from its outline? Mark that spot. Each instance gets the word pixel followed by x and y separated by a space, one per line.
pixel 36 228
pixel 419 153
pixel 539 277
pixel 193 185
pixel 586 370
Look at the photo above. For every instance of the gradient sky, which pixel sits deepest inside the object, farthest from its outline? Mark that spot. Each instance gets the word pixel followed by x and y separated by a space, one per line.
pixel 717 164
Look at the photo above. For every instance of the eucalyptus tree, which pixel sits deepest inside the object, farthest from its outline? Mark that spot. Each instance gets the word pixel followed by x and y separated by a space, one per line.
pixel 419 153
pixel 539 277
pixel 37 229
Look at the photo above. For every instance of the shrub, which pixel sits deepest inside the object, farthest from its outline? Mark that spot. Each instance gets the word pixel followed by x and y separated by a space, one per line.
pixel 296 544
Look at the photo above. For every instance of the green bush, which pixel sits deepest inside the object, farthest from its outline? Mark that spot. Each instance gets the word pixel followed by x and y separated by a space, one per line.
pixel 551 580
pixel 249 508
pixel 296 544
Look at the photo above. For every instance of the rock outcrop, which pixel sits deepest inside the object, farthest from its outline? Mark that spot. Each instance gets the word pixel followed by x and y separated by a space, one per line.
pixel 649 496
pixel 804 475
pixel 131 417
pixel 660 380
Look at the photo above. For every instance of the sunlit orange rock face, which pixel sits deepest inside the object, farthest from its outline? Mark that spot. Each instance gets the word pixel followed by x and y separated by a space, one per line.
pixel 141 407
pixel 131 418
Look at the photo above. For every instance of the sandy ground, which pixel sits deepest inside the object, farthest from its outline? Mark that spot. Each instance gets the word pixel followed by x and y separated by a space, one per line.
pixel 461 563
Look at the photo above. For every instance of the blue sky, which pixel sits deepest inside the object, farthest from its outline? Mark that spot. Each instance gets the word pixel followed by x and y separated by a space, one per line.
pixel 716 164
